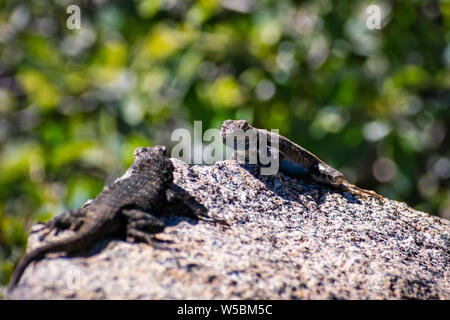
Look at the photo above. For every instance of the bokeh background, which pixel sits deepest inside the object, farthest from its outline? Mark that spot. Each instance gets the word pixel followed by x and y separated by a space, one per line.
pixel 75 103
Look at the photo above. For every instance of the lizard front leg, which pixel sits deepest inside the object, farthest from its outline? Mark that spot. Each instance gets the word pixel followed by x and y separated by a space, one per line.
pixel 142 226
pixel 176 194
pixel 259 160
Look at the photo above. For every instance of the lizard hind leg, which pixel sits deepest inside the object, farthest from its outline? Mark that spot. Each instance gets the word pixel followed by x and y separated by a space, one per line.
pixel 72 220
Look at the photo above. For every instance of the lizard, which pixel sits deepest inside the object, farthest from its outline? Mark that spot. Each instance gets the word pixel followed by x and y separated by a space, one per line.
pixel 128 206
pixel 294 160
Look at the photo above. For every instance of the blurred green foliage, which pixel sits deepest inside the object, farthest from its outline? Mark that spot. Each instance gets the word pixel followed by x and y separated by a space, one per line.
pixel 75 103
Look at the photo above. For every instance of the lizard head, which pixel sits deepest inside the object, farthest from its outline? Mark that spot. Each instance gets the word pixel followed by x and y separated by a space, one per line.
pixel 152 159
pixel 148 151
pixel 232 127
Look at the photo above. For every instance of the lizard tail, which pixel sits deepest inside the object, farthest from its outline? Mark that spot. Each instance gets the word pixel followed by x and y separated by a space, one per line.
pixel 363 192
pixel 68 245
pixel 39 253
pixel 34 255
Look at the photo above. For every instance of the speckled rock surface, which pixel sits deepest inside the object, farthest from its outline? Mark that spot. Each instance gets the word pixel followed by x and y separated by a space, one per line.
pixel 289 239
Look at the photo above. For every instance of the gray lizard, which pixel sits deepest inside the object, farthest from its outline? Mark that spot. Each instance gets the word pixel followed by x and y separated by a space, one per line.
pixel 294 160
pixel 129 206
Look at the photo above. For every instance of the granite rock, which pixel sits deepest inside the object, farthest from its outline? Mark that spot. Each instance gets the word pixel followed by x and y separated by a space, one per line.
pixel 288 239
